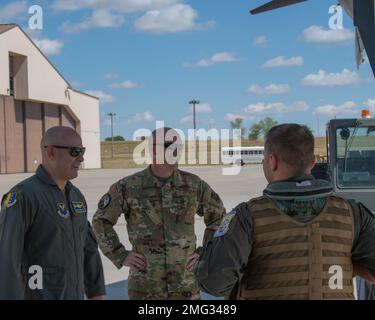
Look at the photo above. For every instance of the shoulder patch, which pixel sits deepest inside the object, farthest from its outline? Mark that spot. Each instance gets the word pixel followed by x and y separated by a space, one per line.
pixel 104 201
pixel 79 207
pixel 9 200
pixel 225 224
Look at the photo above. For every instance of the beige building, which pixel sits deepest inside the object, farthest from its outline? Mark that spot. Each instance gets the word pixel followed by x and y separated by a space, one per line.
pixel 33 97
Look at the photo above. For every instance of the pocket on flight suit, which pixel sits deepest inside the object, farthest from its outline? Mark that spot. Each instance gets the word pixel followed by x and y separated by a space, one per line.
pixel 53 284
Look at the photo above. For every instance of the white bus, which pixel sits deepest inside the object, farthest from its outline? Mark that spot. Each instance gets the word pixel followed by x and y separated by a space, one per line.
pixel 242 155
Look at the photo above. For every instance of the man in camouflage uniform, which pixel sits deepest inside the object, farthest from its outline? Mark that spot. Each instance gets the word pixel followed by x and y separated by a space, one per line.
pixel 159 205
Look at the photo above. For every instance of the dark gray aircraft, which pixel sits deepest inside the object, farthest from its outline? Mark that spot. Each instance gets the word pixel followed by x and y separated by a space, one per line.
pixel 363 14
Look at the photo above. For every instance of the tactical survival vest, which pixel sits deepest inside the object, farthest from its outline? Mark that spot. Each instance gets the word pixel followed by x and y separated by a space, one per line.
pixel 293 260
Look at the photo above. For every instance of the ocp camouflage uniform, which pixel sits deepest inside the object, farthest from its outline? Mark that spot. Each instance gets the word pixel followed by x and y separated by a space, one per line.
pixel 160 223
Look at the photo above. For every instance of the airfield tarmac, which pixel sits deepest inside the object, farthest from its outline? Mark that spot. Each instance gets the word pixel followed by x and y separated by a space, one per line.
pixel 94 183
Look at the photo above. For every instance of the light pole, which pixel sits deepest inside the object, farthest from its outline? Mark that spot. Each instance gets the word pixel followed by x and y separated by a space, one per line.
pixel 194 102
pixel 112 146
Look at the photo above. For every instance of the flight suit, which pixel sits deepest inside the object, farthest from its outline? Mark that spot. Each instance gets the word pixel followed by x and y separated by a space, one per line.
pixel 41 227
pixel 160 220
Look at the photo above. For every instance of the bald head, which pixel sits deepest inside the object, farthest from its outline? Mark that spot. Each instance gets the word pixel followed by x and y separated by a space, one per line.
pixel 57 157
pixel 60 136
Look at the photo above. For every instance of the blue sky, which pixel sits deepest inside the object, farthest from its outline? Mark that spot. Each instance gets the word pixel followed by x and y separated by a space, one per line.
pixel 147 58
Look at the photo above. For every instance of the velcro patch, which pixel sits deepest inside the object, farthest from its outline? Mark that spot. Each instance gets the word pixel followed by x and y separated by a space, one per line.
pixel 79 207
pixel 63 211
pixel 9 200
pixel 225 223
pixel 104 201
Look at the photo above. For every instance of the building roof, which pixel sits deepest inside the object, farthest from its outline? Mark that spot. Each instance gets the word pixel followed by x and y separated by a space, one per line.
pixel 7 27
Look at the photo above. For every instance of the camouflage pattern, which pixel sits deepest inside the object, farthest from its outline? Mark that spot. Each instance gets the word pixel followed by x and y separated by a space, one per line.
pixel 160 224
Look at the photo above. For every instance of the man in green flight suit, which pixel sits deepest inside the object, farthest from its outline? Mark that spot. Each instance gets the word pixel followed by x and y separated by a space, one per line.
pixel 47 247
pixel 159 205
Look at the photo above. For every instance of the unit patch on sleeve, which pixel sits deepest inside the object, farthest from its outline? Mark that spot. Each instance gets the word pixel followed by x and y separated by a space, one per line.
pixel 225 224
pixel 9 200
pixel 104 201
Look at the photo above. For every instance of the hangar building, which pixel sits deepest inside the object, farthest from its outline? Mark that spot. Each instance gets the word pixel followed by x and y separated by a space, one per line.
pixel 34 96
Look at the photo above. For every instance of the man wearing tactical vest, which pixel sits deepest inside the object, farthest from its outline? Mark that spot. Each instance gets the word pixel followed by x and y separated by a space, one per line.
pixel 297 241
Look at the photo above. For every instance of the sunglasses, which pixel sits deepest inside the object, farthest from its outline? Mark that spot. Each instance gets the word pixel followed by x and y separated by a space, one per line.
pixel 166 145
pixel 73 151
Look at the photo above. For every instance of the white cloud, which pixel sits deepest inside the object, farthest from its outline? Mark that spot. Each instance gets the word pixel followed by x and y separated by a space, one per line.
pixel 371 104
pixel 49 47
pixel 283 62
pixel 187 119
pixel 260 41
pixel 317 34
pixel 269 90
pixel 98 19
pixel 13 11
pixel 124 6
pixel 146 116
pixel 125 85
pixel 348 108
pixel 232 117
pixel 201 108
pixel 214 59
pixel 158 16
pixel 175 18
pixel 324 79
pixel 277 107
pixel 104 98
pixel 111 76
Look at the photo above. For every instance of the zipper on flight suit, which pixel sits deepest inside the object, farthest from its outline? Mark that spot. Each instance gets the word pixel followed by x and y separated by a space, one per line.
pixel 71 210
